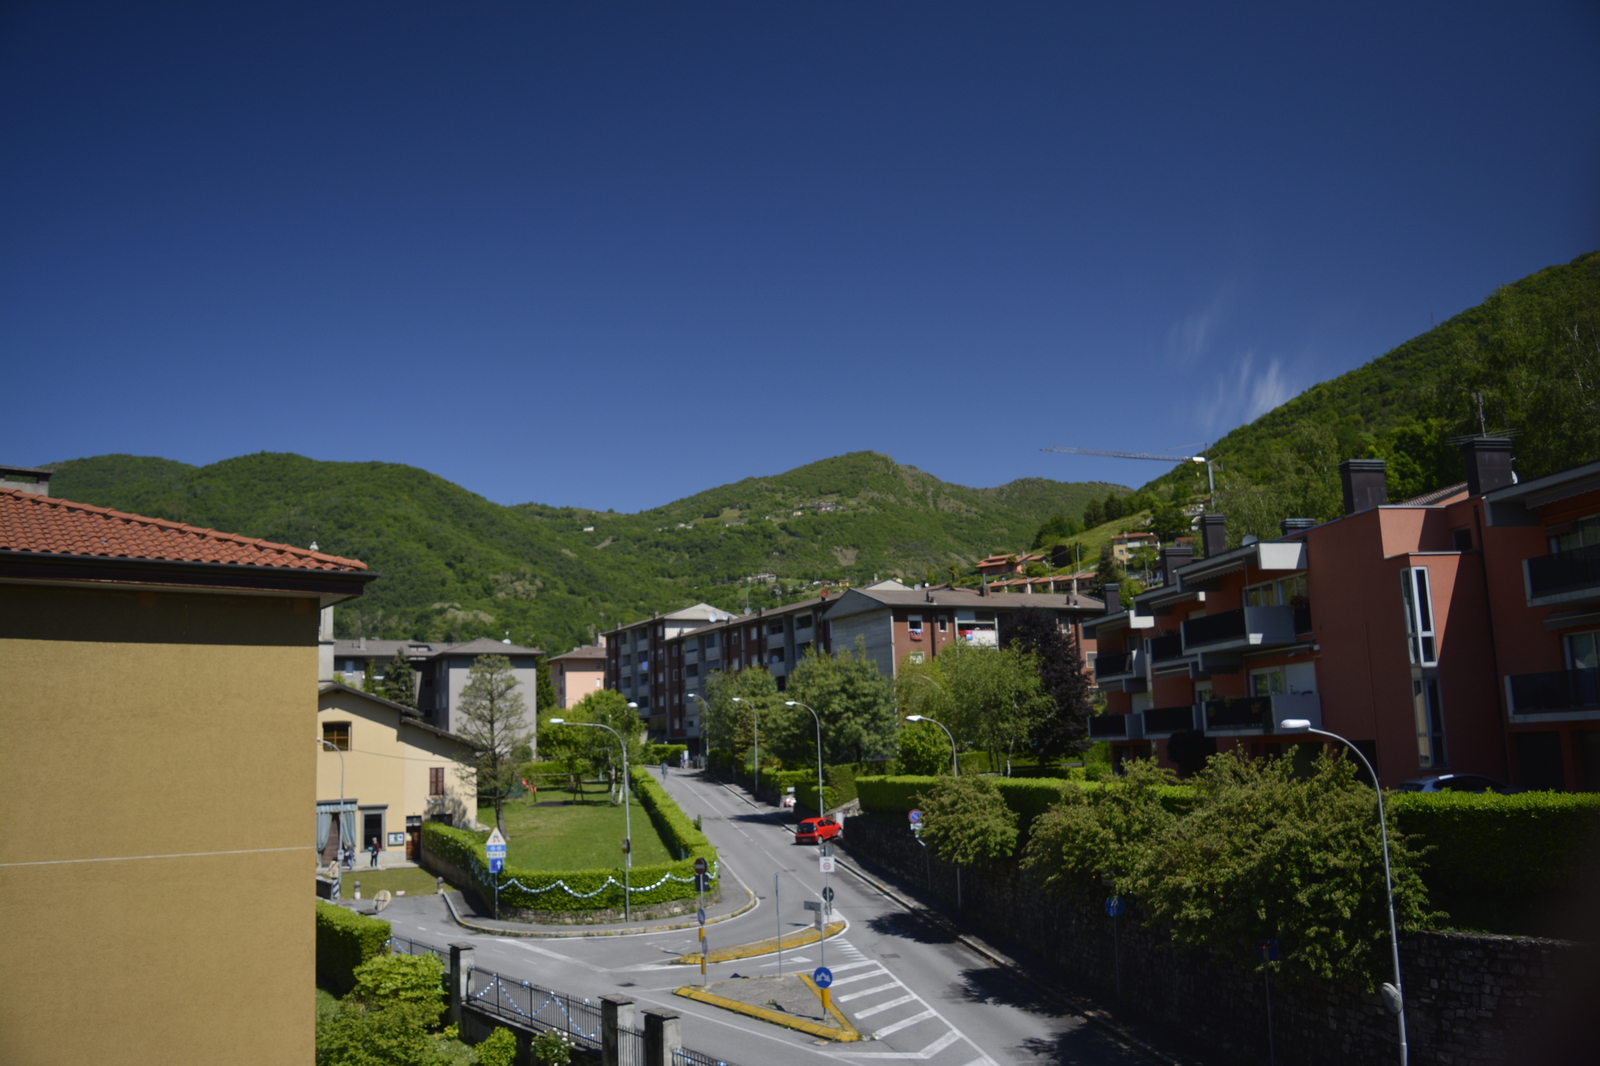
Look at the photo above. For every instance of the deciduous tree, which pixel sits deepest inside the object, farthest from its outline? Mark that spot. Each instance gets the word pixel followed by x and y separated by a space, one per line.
pixel 966 821
pixel 1064 728
pixel 854 701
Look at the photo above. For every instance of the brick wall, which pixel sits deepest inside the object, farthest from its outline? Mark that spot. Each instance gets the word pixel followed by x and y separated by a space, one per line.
pixel 1472 1000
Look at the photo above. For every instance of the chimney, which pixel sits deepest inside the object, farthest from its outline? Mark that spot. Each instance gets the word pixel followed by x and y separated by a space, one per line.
pixel 1171 558
pixel 1113 596
pixel 1295 525
pixel 1214 534
pixel 1363 484
pixel 1488 462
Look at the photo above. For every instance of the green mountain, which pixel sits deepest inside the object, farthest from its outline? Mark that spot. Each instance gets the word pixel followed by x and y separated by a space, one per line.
pixel 1531 351
pixel 456 566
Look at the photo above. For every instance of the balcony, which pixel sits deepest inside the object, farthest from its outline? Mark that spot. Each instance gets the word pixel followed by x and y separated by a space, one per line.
pixel 1116 727
pixel 1241 629
pixel 1122 668
pixel 1557 696
pixel 1164 721
pixel 1563 577
pixel 1260 715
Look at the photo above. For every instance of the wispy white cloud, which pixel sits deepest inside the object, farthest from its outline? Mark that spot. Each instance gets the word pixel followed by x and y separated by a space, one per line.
pixel 1191 338
pixel 1245 391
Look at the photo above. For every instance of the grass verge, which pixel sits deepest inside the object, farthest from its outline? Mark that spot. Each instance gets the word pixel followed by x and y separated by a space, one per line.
pixel 577 832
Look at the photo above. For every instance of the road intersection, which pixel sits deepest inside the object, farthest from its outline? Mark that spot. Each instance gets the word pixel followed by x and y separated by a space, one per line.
pixel 918 992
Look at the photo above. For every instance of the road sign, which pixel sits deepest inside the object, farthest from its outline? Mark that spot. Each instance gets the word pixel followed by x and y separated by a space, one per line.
pixel 495 845
pixel 916 817
pixel 812 905
pixel 825 863
pixel 1267 950
pixel 496 864
pixel 701 913
pixel 827 893
pixel 822 976
pixel 1115 906
pixel 699 866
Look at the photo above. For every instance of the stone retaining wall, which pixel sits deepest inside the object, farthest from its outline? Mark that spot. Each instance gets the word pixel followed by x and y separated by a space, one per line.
pixel 1471 999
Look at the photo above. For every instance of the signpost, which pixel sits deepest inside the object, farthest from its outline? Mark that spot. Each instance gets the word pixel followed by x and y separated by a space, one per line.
pixel 1114 907
pixel 777 912
pixel 495 847
pixel 700 883
pixel 1267 951
pixel 823 978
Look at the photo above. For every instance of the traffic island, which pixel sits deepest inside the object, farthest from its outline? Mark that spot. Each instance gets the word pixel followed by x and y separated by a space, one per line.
pixel 762 947
pixel 793 1002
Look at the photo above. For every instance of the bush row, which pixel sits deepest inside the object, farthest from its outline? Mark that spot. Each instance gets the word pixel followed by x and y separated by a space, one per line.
pixel 1487 844
pixel 345 940
pixel 1030 797
pixel 656 754
pixel 533 888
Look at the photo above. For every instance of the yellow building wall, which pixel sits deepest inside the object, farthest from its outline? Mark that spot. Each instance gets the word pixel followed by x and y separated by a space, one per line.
pixel 156 769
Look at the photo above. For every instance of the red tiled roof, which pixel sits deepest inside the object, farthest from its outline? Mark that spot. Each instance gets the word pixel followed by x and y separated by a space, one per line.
pixel 32 523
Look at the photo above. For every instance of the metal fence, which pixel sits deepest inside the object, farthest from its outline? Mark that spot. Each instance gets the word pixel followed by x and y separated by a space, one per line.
pixel 404 946
pixel 685 1057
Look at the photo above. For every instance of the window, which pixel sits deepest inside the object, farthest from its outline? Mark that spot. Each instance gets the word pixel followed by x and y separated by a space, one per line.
pixel 1266 682
pixel 914 626
pixel 711 640
pixel 1583 650
pixel 1430 722
pixel 1419 615
pixel 803 622
pixel 1261 595
pixel 753 632
pixel 337 734
pixel 775 655
pixel 674 673
pixel 1584 533
pixel 435 780
pixel 1462 538
pixel 775 627
pixel 944 622
pixel 1291 589
pixel 692 670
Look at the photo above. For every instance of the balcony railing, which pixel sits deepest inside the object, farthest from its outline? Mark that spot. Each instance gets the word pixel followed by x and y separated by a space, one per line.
pixel 1166 649
pixel 1562 573
pixel 1111 663
pixel 1165 721
pixel 1261 714
pixel 1115 727
pixel 1559 692
pixel 1245 627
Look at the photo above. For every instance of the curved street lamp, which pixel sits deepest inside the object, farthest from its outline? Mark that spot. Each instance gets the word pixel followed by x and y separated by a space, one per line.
pixel 627 820
pixel 1393 995
pixel 955 766
pixel 755 720
pixel 822 803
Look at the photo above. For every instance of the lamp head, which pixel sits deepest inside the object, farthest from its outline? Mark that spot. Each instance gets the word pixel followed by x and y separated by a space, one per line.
pixel 789 703
pixel 558 721
pixel 915 718
pixel 633 706
pixel 1295 725
pixel 737 699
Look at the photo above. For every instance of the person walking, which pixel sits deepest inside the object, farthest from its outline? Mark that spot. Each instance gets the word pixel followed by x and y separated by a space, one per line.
pixel 375 849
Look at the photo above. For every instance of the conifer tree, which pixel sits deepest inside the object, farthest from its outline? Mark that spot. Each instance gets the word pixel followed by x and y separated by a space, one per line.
pixel 400 683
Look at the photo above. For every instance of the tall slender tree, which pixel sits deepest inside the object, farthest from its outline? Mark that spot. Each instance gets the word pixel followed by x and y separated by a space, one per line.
pixel 494 722
pixel 400 682
pixel 1064 728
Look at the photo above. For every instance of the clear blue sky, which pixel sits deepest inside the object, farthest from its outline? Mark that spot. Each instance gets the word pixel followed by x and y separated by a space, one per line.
pixel 612 254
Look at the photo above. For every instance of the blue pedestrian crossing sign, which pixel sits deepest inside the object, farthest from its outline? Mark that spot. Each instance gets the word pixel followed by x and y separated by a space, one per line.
pixel 822 976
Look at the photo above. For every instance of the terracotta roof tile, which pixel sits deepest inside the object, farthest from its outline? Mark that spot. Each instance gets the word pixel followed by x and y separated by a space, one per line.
pixel 43 524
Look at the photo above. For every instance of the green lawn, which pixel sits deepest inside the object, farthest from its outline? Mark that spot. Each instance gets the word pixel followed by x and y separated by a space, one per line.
pixel 582 835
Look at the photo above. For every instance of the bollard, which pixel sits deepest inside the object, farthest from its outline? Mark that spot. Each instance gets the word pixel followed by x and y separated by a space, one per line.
pixel 460 970
pixel 358 890
pixel 616 1013
pixel 438 885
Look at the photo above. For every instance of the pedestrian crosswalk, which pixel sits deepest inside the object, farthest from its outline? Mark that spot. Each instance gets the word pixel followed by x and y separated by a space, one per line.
pixel 899 1024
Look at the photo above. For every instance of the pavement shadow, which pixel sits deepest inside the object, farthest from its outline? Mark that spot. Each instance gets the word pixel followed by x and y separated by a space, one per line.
pixel 910 927
pixel 1006 987
pixel 1080 1045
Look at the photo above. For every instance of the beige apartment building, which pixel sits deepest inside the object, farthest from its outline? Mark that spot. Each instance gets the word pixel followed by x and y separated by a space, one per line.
pixel 158 704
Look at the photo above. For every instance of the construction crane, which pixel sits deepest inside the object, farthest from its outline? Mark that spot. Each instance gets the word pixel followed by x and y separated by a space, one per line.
pixel 1210 477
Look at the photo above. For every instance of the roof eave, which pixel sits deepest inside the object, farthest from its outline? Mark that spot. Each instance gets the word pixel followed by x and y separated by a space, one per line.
pixel 329 586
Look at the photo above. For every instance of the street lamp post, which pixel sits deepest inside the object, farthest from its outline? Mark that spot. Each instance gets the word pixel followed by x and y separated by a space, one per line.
pixel 955 765
pixel 822 803
pixel 955 771
pixel 1393 995
pixel 755 724
pixel 627 820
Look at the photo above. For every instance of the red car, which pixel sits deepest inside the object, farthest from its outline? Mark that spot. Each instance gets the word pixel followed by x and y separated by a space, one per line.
pixel 816 830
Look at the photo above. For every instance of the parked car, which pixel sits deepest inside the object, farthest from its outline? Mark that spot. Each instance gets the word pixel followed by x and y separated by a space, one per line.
pixel 788 801
pixel 1457 783
pixel 816 830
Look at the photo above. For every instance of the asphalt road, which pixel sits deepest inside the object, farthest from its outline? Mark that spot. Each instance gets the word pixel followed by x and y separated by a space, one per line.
pixel 921 994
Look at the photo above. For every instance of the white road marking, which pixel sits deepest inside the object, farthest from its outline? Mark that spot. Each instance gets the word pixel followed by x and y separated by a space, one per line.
pixel 855 965
pixel 926 1053
pixel 861 977
pixel 879 1008
pixel 869 991
pixel 906 1023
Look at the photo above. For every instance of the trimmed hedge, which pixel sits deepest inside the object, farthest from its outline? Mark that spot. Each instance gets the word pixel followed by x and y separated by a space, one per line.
pixel 1028 796
pixel 345 940
pixel 532 889
pixel 1488 844
pixel 656 754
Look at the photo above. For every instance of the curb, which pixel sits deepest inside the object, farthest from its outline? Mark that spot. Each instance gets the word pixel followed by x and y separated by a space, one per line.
pixel 846 1034
pixel 1093 1015
pixel 579 931
pixel 769 946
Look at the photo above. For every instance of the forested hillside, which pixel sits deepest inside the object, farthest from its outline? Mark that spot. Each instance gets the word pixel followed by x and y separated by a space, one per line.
pixel 456 566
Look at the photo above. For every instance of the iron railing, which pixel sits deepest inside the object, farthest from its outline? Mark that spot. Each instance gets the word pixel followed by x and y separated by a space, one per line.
pixel 1168 719
pixel 1109 727
pixel 1568 571
pixel 1112 663
pixel 1239 712
pixel 1167 648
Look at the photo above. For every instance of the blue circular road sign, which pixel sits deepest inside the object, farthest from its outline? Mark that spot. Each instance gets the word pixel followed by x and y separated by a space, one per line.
pixel 1115 906
pixel 915 816
pixel 822 976
pixel 702 914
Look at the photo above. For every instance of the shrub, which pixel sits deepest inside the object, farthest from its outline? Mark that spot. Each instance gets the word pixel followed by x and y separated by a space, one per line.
pixel 892 795
pixel 552 1048
pixel 966 821
pixel 390 1017
pixel 345 940
pixel 499 1050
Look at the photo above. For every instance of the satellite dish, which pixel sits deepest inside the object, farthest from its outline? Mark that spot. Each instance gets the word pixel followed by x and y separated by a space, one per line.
pixel 381 899
pixel 1247 539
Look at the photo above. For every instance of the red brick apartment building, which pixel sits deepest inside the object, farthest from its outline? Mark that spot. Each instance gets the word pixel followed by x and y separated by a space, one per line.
pixel 662 663
pixel 1456 632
